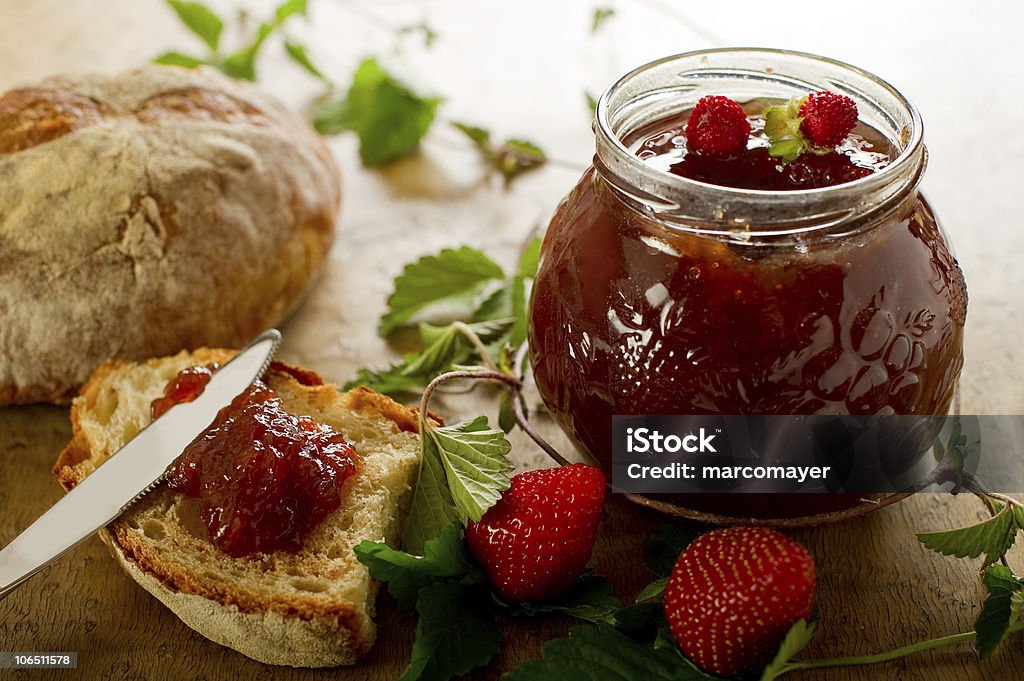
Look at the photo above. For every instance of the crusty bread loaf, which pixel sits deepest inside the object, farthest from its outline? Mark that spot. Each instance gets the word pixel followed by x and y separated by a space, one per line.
pixel 159 209
pixel 310 609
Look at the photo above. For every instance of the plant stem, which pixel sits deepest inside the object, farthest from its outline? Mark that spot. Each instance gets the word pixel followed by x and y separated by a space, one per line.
pixel 896 653
pixel 495 376
pixel 518 369
pixel 478 345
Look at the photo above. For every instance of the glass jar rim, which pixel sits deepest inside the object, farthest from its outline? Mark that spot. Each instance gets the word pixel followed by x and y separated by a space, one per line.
pixel 688 204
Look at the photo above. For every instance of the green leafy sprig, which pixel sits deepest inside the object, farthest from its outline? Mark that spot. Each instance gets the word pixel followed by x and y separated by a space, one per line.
pixel 510 158
pixel 490 307
pixel 457 612
pixel 241 63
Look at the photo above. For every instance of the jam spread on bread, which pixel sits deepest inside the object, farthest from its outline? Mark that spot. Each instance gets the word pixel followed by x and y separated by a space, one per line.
pixel 264 478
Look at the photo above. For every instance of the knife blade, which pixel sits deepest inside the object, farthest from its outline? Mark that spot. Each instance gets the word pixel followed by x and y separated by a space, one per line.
pixel 132 471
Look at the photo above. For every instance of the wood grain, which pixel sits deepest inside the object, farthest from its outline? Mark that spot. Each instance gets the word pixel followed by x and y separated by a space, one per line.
pixel 878 588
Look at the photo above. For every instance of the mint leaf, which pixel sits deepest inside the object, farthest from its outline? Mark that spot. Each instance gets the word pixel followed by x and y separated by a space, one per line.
pixel 603 654
pixel 387 116
pixel 456 632
pixel 300 55
pixel 200 19
pixel 476 462
pixel 590 599
pixel 662 550
pixel 993 537
pixel 178 59
pixel 652 590
pixel 452 276
pixel 463 470
pixel 796 639
pixel 601 14
pixel 591 102
pixel 405 574
pixel 998 612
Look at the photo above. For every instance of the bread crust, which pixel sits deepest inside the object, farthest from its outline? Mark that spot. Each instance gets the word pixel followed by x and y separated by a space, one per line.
pixel 297 630
pixel 149 211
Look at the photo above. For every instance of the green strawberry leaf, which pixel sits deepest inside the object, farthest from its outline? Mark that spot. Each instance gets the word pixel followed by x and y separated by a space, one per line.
pixel 516 157
pixel 329 116
pixel 1018 514
pixel 456 633
pixel 999 610
pixel 450 344
pixel 178 59
pixel 463 470
pixel 796 639
pixel 433 508
pixel 451 277
pixel 497 305
pixel 480 137
pixel 601 14
pixel 590 599
pixel 300 55
pixel 782 126
pixel 529 259
pixel 242 64
pixel 391 380
pixel 510 159
pixel 652 590
pixel 662 550
pixel 476 462
pixel 506 412
pixel 603 654
pixel 405 574
pixel 993 537
pixel 389 118
pixel 200 19
pixel 641 621
pixel 424 29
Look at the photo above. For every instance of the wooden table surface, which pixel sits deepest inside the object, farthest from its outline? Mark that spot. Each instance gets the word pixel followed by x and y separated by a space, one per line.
pixel 522 68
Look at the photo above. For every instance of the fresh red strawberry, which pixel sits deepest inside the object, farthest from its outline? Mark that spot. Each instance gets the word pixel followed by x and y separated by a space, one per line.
pixel 828 118
pixel 535 542
pixel 717 126
pixel 734 593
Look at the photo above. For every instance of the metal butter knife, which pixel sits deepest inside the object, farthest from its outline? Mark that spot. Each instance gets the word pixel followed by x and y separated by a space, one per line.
pixel 130 472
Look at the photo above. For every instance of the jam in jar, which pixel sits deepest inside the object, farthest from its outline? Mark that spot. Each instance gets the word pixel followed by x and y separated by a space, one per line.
pixel 264 478
pixel 667 289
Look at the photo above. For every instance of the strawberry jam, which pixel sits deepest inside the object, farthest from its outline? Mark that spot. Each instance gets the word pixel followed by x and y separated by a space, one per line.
pixel 723 306
pixel 264 478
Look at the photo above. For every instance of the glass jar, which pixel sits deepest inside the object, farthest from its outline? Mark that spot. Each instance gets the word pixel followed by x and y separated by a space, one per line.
pixel 659 294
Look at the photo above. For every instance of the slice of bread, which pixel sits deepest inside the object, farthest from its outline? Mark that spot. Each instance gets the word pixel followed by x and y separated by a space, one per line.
pixel 313 608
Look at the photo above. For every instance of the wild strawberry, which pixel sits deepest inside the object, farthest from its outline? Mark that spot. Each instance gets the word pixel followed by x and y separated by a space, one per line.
pixel 717 126
pixel 828 118
pixel 734 593
pixel 535 542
